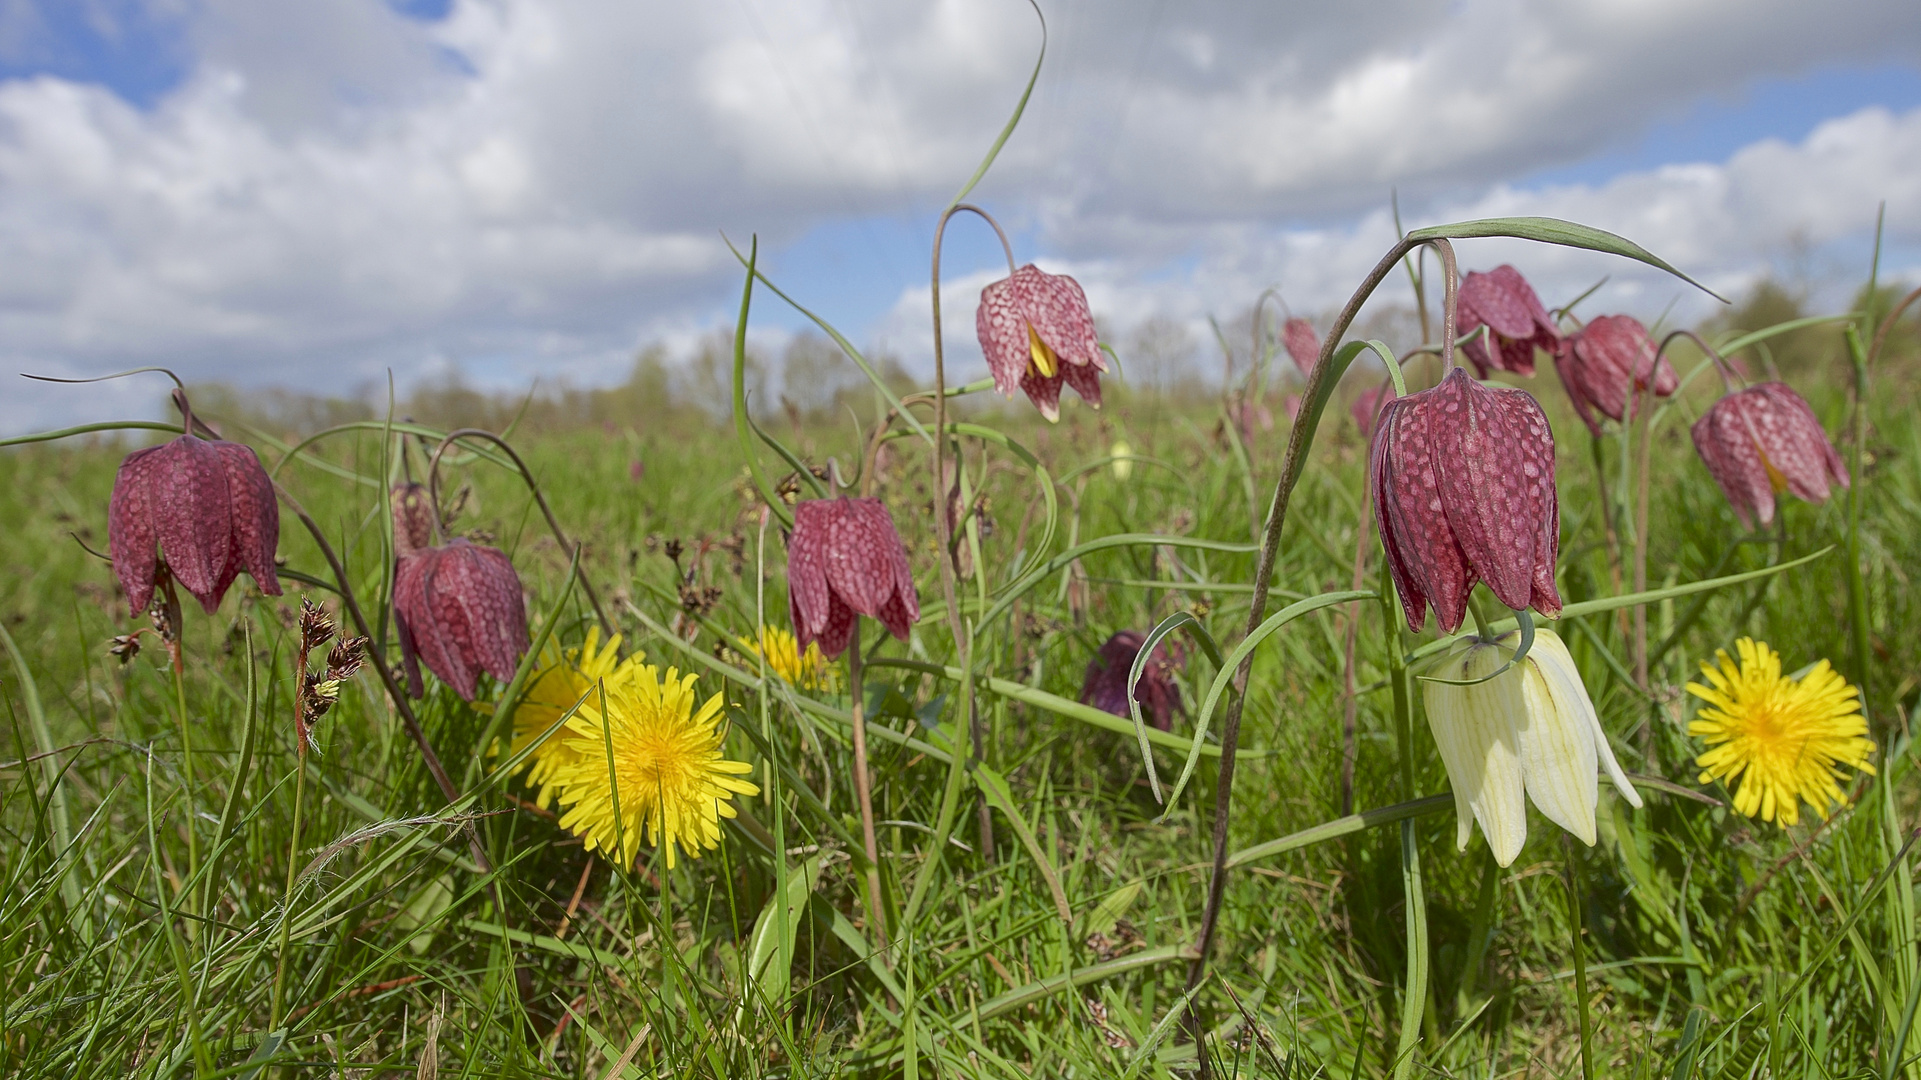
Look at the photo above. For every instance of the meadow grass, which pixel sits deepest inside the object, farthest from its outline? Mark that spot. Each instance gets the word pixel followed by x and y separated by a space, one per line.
pixel 1714 945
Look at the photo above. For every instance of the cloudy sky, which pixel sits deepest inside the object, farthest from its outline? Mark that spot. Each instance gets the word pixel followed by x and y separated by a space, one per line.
pixel 310 194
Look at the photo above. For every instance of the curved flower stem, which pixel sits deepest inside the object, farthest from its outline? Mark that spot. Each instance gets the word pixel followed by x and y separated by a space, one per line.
pixel 1300 438
pixel 1721 367
pixel 943 529
pixel 863 791
pixel 1450 293
pixel 376 653
pixel 607 628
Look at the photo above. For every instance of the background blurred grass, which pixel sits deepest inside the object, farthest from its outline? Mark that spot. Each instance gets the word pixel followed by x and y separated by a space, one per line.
pixel 1717 946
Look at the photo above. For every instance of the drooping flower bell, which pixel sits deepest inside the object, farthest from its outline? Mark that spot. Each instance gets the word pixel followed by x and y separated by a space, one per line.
pixel 845 559
pixel 1462 477
pixel 1302 343
pixel 1037 332
pixel 460 610
pixel 1104 685
pixel 1528 734
pixel 1503 301
pixel 1606 363
pixel 206 507
pixel 1762 441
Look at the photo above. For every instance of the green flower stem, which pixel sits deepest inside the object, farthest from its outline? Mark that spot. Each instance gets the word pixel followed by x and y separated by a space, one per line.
pixel 1414 992
pixel 186 780
pixel 1577 920
pixel 863 792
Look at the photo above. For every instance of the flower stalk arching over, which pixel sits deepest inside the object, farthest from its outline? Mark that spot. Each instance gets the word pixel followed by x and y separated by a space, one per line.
pixel 1527 734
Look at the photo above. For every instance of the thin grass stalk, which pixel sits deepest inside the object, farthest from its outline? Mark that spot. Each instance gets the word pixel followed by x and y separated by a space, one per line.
pixel 249 726
pixel 1858 625
pixel 1577 920
pixel 1642 466
pixel 943 529
pixel 274 1012
pixel 1414 896
pixel 50 773
pixel 1300 439
pixel 203 1062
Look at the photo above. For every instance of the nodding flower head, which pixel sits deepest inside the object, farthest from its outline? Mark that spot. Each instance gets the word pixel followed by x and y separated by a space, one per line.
pixel 461 612
pixel 1037 332
pixel 1503 301
pixel 1105 684
pixel 1303 344
pixel 206 507
pixel 1462 477
pixel 1605 363
pixel 1527 734
pixel 1762 441
pixel 845 559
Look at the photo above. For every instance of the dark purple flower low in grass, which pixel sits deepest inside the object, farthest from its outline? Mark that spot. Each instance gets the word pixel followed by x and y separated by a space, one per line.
pixel 1503 302
pixel 1462 477
pixel 206 507
pixel 845 559
pixel 1105 684
pixel 461 612
pixel 1037 332
pixel 1606 363
pixel 1762 441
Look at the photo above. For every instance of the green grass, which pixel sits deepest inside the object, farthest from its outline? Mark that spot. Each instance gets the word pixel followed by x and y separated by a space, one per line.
pixel 1715 946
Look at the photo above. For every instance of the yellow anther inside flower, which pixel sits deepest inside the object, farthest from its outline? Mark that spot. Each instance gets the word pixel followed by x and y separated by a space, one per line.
pixel 1045 362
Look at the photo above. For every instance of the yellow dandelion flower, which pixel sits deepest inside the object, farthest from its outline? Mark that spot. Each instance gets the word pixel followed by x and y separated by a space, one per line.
pixel 563 678
pixel 659 755
pixel 1786 739
pixel 808 670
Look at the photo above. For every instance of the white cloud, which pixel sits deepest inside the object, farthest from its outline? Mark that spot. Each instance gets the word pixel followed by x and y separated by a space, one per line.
pixel 535 185
pixel 1723 224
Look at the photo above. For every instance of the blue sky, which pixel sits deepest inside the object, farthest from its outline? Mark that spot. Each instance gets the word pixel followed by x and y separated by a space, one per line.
pixel 313 194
